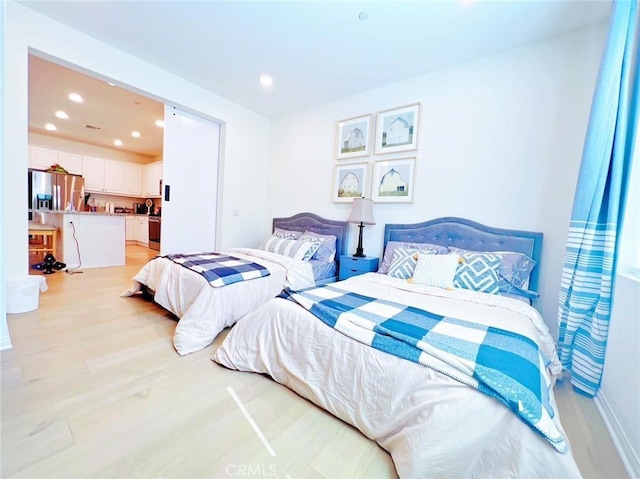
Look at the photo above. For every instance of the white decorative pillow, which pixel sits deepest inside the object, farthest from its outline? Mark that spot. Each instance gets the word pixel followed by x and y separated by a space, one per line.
pixel 436 270
pixel 478 272
pixel 298 249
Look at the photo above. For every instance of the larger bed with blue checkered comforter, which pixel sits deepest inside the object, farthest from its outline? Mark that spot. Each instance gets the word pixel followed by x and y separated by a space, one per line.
pixel 451 383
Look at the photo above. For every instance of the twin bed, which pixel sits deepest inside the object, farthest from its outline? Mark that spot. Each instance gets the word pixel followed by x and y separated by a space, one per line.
pixel 452 382
pixel 203 311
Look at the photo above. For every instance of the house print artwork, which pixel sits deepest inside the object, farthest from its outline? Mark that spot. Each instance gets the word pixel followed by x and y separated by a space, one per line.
pixel 350 182
pixel 354 137
pixel 393 181
pixel 398 131
pixel 354 141
pixel 392 184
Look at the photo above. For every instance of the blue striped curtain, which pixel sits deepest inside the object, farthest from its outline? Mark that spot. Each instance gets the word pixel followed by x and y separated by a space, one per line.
pixel 590 257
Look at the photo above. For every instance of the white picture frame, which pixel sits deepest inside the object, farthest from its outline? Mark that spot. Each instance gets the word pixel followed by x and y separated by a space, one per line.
pixel 354 137
pixel 350 180
pixel 397 129
pixel 393 180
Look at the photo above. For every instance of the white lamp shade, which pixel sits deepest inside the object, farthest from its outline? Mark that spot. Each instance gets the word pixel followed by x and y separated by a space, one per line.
pixel 362 212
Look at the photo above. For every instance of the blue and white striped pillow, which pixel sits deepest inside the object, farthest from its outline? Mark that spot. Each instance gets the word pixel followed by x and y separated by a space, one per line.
pixel 298 249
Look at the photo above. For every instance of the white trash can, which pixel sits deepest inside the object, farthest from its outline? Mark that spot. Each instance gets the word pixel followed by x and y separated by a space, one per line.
pixel 23 293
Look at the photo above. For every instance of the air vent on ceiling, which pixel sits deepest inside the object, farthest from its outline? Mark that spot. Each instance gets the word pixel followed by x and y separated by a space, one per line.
pixel 91 127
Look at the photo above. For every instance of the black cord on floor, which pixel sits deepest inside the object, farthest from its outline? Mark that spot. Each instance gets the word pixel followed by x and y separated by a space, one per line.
pixel 73 270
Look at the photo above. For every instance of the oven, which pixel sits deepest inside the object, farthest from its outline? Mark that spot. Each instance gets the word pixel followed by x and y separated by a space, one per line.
pixel 154 232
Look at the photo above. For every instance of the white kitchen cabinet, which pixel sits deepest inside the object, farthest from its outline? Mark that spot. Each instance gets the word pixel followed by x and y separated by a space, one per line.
pixel 70 162
pixel 152 180
pixel 93 172
pixel 130 228
pixel 113 176
pixel 43 158
pixel 137 229
pixel 141 230
pixel 103 176
pixel 132 179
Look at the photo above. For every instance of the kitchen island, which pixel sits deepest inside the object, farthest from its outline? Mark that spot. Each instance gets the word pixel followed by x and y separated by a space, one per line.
pixel 87 239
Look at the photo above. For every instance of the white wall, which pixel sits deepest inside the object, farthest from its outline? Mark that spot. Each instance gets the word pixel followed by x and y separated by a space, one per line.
pixel 5 340
pixel 500 143
pixel 619 396
pixel 26 29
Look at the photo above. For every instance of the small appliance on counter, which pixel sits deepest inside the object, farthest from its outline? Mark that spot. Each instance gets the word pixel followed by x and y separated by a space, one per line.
pixel 139 209
pixel 149 205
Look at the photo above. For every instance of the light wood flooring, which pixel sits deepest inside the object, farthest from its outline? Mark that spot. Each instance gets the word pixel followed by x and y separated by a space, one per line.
pixel 93 388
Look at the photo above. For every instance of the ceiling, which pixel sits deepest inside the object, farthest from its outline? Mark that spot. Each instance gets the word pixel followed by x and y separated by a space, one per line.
pixel 316 51
pixel 107 113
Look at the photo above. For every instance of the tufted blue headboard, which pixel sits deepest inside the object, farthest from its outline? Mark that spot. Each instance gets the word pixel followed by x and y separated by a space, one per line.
pixel 317 224
pixel 467 234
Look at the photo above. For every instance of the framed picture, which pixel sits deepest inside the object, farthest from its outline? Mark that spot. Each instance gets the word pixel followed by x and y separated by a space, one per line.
pixel 393 180
pixel 349 182
pixel 354 137
pixel 397 129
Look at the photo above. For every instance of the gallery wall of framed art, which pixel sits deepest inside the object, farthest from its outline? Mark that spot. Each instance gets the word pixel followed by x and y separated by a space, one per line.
pixel 384 179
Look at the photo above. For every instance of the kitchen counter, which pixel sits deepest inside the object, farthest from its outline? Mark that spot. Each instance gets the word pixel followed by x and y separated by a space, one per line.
pixel 88 239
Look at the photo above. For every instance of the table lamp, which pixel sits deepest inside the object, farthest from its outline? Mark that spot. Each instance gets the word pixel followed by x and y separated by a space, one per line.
pixel 361 214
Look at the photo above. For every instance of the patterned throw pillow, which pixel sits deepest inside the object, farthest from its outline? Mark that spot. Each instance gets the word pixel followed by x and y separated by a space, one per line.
pixel 478 272
pixel 298 249
pixel 514 271
pixel 282 233
pixel 327 250
pixel 404 262
pixel 391 247
pixel 436 269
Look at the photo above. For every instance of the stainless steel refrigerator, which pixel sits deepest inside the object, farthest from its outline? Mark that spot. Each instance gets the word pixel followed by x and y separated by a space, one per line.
pixel 55 191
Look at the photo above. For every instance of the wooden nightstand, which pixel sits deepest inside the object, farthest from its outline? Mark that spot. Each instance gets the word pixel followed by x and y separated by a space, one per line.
pixel 353 266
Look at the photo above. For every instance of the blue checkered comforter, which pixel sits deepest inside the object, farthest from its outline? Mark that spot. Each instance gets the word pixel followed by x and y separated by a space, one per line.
pixel 219 269
pixel 500 363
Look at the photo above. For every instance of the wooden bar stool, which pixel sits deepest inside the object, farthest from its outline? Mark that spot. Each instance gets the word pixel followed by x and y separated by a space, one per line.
pixel 42 239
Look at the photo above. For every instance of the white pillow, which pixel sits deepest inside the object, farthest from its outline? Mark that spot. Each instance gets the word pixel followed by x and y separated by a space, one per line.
pixel 436 269
pixel 298 249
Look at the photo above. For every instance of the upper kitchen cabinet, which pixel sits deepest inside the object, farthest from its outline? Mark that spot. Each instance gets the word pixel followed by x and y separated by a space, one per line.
pixel 43 158
pixel 152 180
pixel 103 176
pixel 132 179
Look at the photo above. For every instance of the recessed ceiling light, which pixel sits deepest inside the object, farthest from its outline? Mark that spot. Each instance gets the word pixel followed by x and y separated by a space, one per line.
pixel 364 16
pixel 50 127
pixel 75 98
pixel 111 84
pixel 117 142
pixel 135 134
pixel 160 123
pixel 266 80
pixel 62 115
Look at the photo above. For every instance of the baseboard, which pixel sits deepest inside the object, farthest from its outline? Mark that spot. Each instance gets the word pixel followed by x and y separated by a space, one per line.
pixel 627 454
pixel 5 343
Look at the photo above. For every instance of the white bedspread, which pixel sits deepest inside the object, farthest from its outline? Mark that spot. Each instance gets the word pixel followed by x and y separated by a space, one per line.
pixel 203 310
pixel 432 425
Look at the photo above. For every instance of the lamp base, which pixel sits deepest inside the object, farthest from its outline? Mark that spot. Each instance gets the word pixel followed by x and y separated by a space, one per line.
pixel 361 255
